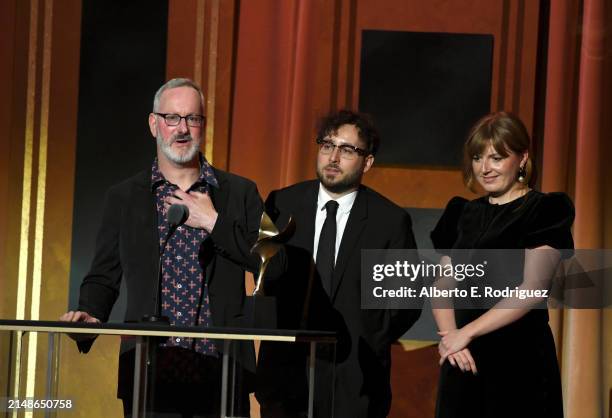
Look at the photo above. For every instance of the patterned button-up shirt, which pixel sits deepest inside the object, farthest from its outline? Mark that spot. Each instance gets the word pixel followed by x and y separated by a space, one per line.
pixel 184 290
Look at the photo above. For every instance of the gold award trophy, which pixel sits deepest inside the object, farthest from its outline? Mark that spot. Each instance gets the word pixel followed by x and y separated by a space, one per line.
pixel 268 243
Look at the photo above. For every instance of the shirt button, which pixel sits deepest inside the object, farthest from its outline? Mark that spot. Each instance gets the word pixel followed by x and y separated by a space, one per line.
pixel 178 340
pixel 179 286
pixel 179 314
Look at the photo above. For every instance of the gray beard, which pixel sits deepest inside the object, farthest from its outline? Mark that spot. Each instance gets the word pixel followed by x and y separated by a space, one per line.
pixel 166 149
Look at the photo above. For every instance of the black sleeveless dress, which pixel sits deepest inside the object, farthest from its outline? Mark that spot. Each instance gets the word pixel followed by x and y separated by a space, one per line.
pixel 518 373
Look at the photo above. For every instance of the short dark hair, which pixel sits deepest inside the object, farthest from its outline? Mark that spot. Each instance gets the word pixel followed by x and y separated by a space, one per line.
pixel 330 124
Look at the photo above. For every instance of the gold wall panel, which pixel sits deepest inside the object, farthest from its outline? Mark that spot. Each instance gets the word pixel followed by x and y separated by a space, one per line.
pixel 40 72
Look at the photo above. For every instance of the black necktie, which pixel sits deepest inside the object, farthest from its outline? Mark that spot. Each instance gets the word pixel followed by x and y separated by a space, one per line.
pixel 326 251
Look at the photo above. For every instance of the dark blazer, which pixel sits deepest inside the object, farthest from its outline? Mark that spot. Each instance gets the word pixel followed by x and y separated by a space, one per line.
pixel 127 248
pixel 363 357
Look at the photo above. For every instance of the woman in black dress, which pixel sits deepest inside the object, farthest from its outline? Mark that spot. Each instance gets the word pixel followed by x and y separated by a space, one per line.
pixel 502 362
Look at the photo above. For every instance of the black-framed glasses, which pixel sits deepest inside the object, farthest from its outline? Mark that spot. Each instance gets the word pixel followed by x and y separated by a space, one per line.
pixel 172 119
pixel 348 152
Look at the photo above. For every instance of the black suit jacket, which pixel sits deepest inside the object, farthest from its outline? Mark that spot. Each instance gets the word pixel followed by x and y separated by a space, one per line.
pixel 127 248
pixel 363 359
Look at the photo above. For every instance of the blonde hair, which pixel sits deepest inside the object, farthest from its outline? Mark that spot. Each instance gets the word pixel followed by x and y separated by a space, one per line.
pixel 506 133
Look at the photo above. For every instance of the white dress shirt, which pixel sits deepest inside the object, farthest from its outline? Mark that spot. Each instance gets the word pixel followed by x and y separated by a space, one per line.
pixel 345 204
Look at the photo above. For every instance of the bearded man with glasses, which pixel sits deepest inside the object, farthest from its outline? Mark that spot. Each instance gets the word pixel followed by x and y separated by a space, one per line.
pixel 336 217
pixel 202 273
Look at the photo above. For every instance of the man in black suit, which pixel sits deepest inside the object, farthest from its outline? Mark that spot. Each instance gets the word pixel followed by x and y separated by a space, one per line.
pixel 336 217
pixel 203 265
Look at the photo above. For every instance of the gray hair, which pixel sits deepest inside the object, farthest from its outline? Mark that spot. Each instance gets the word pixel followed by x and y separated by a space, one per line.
pixel 174 83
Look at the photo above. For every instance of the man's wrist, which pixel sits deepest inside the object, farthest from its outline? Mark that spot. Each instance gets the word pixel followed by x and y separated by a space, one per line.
pixel 211 223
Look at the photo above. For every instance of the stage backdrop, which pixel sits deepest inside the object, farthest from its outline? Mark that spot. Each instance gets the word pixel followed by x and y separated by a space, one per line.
pixel 79 76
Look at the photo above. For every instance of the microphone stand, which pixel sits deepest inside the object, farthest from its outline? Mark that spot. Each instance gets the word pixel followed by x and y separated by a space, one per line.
pixel 177 215
pixel 157 318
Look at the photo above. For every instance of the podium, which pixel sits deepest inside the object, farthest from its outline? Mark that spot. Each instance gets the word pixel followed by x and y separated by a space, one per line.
pixel 147 337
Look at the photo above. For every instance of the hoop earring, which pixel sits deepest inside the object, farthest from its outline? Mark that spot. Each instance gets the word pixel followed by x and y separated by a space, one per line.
pixel 522 174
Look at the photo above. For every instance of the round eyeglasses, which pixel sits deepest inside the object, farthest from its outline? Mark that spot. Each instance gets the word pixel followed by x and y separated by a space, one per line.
pixel 348 152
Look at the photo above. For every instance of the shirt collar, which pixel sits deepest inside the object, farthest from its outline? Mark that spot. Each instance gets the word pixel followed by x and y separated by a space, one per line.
pixel 207 175
pixel 345 203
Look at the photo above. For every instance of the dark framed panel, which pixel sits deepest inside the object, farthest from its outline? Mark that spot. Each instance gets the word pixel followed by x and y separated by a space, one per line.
pixel 424 90
pixel 123 63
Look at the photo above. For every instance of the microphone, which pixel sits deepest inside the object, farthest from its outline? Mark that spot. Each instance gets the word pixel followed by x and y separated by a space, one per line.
pixel 177 215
